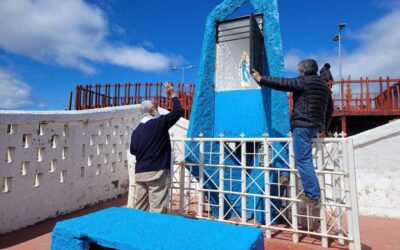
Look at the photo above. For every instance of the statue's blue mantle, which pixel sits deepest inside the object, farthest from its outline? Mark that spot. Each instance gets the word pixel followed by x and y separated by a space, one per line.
pixel 252 112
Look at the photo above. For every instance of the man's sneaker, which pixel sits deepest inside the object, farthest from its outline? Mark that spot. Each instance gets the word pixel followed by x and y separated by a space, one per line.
pixel 303 197
pixel 283 180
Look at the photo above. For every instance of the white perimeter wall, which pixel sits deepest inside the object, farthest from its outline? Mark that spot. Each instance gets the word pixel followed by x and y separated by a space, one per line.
pixel 57 162
pixel 377 162
pixel 79 158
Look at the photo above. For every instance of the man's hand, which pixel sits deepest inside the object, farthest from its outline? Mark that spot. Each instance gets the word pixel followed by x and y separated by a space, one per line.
pixel 256 75
pixel 170 91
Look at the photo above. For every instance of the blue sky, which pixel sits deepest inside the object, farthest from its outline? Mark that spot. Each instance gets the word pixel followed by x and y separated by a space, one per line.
pixel 47 47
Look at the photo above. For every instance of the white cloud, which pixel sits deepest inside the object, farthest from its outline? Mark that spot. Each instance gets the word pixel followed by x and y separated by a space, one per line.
pixel 292 58
pixel 138 58
pixel 14 93
pixel 377 53
pixel 69 33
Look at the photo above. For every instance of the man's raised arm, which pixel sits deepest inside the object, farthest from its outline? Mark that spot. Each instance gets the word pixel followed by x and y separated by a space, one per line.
pixel 282 84
pixel 177 111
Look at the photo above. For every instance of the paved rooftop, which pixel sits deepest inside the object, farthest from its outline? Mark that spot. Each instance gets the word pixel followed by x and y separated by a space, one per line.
pixel 376 233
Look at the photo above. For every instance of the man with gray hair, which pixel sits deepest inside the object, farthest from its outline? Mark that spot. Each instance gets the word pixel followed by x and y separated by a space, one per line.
pixel 312 111
pixel 151 145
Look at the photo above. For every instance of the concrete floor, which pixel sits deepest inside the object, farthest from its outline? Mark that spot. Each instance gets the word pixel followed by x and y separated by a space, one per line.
pixel 376 233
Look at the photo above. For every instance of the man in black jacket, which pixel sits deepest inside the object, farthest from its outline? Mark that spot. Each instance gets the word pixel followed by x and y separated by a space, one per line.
pixel 312 111
pixel 151 145
pixel 325 73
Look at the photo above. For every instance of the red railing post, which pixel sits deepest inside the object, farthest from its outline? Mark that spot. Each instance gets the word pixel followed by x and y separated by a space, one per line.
pixel 129 93
pixel 119 94
pixel 78 97
pixel 150 85
pixel 90 97
pixel 342 95
pixel 135 92
pixel 84 101
pixel 381 101
pixel 344 124
pixel 108 95
pixel 138 92
pixel 114 95
pixel 396 99
pixel 98 93
pixel 362 95
pixel 124 98
pixel 145 91
pixel 388 99
pixel 368 95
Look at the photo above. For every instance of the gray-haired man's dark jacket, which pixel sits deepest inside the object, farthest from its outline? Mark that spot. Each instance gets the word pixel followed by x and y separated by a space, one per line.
pixel 312 100
pixel 150 141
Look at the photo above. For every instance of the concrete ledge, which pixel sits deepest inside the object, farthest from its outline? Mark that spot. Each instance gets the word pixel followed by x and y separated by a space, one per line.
pixel 28 117
pixel 375 134
pixel 124 228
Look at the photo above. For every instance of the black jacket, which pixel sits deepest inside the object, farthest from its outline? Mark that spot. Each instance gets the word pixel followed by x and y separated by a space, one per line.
pixel 325 74
pixel 312 100
pixel 150 141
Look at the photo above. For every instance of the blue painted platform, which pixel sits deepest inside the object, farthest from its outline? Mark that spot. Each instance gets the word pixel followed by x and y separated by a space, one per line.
pixel 125 228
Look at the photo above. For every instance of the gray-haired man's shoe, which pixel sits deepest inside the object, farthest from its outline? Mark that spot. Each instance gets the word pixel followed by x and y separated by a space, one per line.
pixel 283 180
pixel 311 202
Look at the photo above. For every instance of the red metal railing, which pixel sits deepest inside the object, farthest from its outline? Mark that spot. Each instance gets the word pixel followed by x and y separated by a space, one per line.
pixel 110 95
pixel 360 97
pixel 364 97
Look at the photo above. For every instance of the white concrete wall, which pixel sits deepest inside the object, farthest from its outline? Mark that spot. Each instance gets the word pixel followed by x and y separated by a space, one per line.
pixel 79 158
pixel 82 161
pixel 377 162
